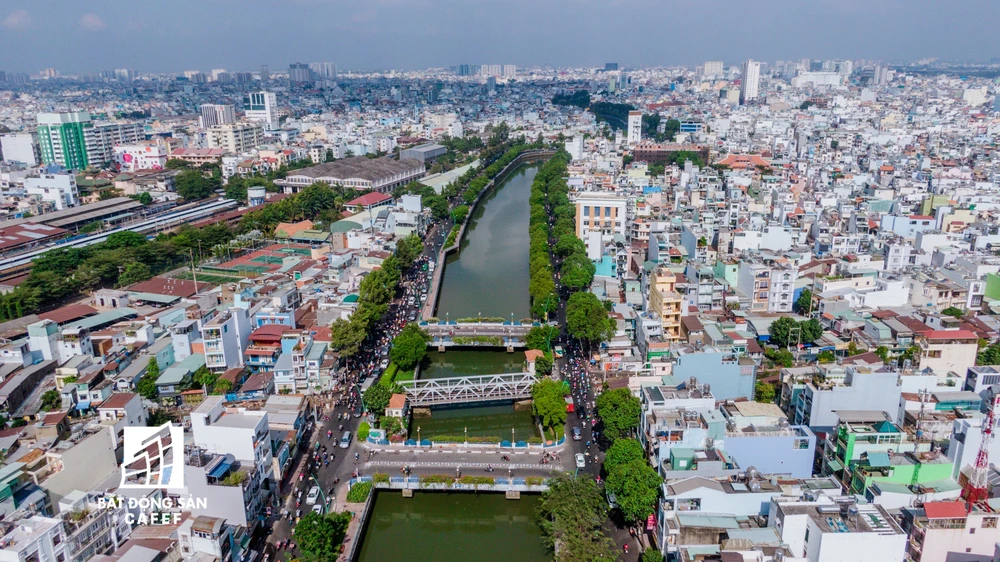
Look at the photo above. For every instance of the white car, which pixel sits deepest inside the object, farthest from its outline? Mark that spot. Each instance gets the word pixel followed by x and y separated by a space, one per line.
pixel 581 461
pixel 318 509
pixel 313 495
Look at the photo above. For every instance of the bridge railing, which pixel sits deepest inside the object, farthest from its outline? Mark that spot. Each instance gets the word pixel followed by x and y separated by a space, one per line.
pixel 454 390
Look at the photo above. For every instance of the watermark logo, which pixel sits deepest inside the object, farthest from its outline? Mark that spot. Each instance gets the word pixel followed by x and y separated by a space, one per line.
pixel 153 457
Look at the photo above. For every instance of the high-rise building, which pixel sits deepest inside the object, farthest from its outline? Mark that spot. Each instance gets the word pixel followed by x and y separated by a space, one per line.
pixel 634 127
pixel 265 75
pixel 262 107
pixel 236 138
pixel 712 69
pixel 463 70
pixel 609 66
pixel 750 81
pixel 324 69
pixel 299 73
pixel 509 71
pixel 62 138
pixel 216 114
pixel 881 75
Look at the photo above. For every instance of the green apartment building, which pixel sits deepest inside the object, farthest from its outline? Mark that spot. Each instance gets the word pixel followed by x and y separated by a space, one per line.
pixel 62 138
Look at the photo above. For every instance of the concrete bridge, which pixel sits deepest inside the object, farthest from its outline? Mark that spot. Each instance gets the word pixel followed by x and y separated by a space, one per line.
pixel 463 390
pixel 477 334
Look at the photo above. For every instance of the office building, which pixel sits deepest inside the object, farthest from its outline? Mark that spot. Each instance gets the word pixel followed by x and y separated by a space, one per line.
pixel 634 127
pixel 712 69
pixel 21 148
pixel 299 73
pixel 217 114
pixel 262 107
pixel 750 81
pixel 132 157
pixel 610 66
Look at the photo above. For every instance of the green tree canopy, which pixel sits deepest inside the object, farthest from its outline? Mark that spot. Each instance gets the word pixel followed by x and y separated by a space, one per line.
pixel 548 403
pixel 377 397
pixel 410 347
pixel 781 330
pixel 51 400
pixel 803 304
pixel 571 514
pixel 587 320
pixel 347 336
pixel 953 311
pixel 764 392
pixel 543 365
pixel 135 272
pixel 319 537
pixel 636 485
pixel 192 184
pixel 623 451
pixel 147 384
pixel 539 336
pixel 619 410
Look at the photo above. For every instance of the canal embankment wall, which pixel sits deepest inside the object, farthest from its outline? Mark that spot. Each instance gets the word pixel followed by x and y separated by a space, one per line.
pixel 528 157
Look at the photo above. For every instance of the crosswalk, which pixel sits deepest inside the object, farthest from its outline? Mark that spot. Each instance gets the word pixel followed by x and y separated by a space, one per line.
pixel 498 468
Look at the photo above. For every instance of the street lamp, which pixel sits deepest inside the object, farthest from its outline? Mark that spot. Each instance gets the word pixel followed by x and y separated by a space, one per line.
pixel 512 437
pixel 447 318
pixel 418 436
pixel 466 435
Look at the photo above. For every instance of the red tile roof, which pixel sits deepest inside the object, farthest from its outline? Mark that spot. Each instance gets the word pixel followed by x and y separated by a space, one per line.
pixel 67 313
pixel 370 198
pixel 950 335
pixel 945 510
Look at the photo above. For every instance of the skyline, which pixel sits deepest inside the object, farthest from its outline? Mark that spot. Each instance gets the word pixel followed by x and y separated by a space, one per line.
pixel 560 33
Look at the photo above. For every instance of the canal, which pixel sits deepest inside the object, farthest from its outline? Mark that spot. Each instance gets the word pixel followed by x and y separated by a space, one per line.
pixel 465 362
pixel 452 527
pixel 489 273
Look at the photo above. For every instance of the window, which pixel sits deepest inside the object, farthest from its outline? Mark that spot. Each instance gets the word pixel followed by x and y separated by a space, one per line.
pixel 607 211
pixel 586 211
pixel 989 522
pixel 972 531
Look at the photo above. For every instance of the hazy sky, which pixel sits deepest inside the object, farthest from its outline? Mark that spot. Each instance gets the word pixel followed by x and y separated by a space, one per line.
pixel 175 35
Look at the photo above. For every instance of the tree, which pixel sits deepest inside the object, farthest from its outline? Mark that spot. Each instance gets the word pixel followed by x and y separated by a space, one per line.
pixel 347 335
pixel 124 239
pixel 539 337
pixel 438 206
pixel 587 320
pixel 410 347
pixel 177 164
pixel 882 352
pixel 811 330
pixel 622 452
pixel 763 392
pixel 619 410
pixel 147 384
pixel 651 555
pixel 51 400
pixel 192 184
pixel 780 357
pixel 319 537
pixel 826 356
pixel 990 355
pixel 408 250
pixel 803 304
pixel 459 213
pixel 543 365
pixel 205 378
pixel 781 331
pixel 376 398
pixel 145 198
pixel 221 386
pixel 636 487
pixel 953 311
pixel 547 402
pixel 571 514
pixel 135 272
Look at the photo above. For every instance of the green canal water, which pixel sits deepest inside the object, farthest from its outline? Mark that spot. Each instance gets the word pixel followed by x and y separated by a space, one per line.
pixel 452 527
pixel 489 273
pixel 481 421
pixel 465 363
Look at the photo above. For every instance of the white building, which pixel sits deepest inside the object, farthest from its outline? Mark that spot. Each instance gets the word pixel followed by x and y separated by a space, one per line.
pixel 58 188
pixel 225 338
pixel 262 107
pixel 824 531
pixel 130 158
pixel 236 138
pixel 213 115
pixel 20 148
pixel 634 127
pixel 37 538
pixel 712 69
pixel 946 530
pixel 121 410
pixel 750 81
pixel 817 79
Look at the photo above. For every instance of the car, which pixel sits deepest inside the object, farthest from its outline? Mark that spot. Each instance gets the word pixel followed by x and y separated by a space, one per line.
pixel 577 434
pixel 612 500
pixel 384 364
pixel 318 509
pixel 313 496
pixel 581 461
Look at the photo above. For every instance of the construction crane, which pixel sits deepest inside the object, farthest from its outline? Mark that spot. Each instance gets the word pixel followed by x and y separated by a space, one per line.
pixel 974 490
